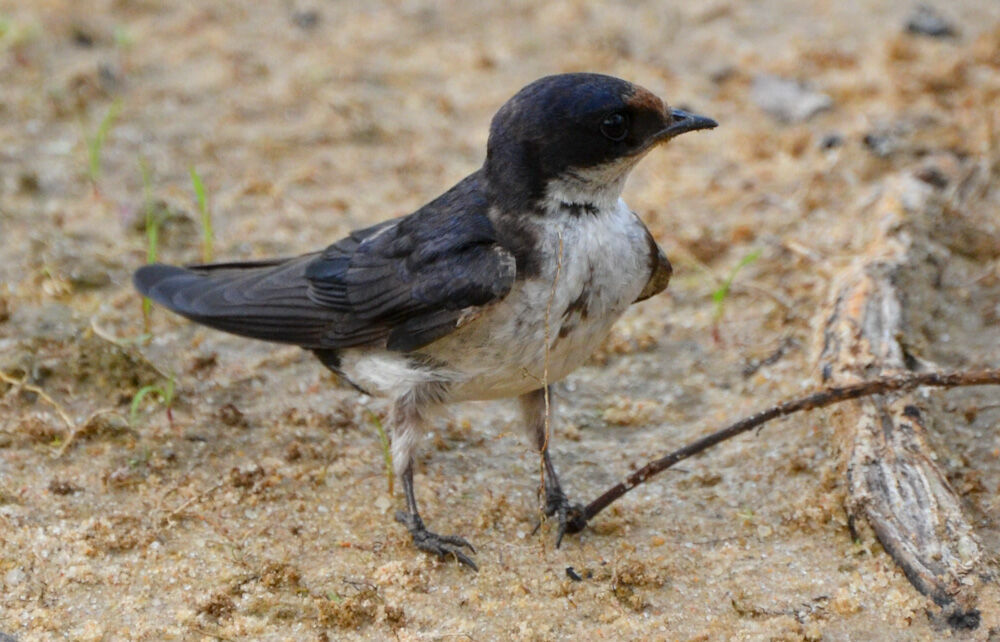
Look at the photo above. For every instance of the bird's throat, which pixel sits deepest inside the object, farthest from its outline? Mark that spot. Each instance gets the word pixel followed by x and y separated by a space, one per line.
pixel 588 190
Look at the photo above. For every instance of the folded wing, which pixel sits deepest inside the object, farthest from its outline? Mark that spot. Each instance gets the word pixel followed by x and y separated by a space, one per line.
pixel 401 284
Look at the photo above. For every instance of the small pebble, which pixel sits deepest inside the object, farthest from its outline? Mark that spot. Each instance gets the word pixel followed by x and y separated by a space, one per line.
pixel 305 19
pixel 932 176
pixel 14 577
pixel 926 21
pixel 88 274
pixel 882 144
pixel 831 141
pixel 82 37
pixel 788 101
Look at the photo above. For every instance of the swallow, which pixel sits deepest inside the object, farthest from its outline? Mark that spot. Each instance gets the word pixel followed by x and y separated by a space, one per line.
pixel 499 287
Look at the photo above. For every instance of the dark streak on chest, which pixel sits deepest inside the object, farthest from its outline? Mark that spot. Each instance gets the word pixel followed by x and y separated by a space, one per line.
pixel 578 309
pixel 579 209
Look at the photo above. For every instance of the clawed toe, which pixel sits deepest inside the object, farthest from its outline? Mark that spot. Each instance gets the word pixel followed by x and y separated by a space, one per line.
pixel 571 517
pixel 445 545
pixel 440 545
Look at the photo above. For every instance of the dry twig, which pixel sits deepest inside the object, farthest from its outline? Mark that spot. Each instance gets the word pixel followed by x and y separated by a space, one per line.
pixel 72 428
pixel 545 370
pixel 821 399
pixel 44 396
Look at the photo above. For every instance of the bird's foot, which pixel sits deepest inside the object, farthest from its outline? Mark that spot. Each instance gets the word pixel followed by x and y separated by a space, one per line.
pixel 440 545
pixel 572 517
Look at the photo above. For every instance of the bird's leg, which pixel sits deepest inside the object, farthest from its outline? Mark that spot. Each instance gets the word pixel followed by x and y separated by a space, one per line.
pixel 570 516
pixel 407 424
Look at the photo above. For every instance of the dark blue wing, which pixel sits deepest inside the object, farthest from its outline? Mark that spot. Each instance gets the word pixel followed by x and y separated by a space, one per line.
pixel 401 283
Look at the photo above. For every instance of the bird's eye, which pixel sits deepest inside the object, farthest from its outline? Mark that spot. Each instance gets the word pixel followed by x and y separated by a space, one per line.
pixel 615 126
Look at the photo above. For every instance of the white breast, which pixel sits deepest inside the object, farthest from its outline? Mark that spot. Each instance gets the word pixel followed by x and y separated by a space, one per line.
pixel 602 266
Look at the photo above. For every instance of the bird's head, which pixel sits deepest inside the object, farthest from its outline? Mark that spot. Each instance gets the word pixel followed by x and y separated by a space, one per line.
pixel 573 138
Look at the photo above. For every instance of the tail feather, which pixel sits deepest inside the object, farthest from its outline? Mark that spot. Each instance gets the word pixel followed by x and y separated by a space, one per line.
pixel 265 300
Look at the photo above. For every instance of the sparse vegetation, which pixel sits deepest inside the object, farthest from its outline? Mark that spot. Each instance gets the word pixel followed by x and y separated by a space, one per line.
pixel 164 394
pixel 123 37
pixel 15 33
pixel 152 235
pixel 207 235
pixel 95 142
pixel 386 449
pixel 721 293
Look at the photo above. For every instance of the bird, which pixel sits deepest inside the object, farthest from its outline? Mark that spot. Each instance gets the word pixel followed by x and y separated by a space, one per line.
pixel 498 288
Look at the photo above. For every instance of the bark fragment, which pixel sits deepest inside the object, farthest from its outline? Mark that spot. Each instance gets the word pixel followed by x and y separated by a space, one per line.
pixel 895 482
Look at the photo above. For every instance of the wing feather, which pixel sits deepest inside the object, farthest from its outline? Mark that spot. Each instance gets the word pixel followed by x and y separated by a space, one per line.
pixel 403 283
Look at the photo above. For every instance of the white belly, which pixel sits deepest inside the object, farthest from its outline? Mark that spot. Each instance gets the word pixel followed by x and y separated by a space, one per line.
pixel 544 328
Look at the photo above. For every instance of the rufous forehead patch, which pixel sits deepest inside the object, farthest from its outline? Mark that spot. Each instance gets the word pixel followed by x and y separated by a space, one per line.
pixel 644 99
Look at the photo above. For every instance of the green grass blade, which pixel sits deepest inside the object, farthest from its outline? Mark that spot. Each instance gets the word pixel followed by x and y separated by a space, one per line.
pixel 152 220
pixel 168 393
pixel 207 235
pixel 152 236
pixel 165 392
pixel 722 292
pixel 141 394
pixel 95 143
pixel 386 449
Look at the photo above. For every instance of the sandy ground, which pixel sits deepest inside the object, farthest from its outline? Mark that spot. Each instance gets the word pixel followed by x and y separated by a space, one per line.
pixel 258 508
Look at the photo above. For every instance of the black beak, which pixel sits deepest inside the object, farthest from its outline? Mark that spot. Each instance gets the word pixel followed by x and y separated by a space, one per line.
pixel 681 122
